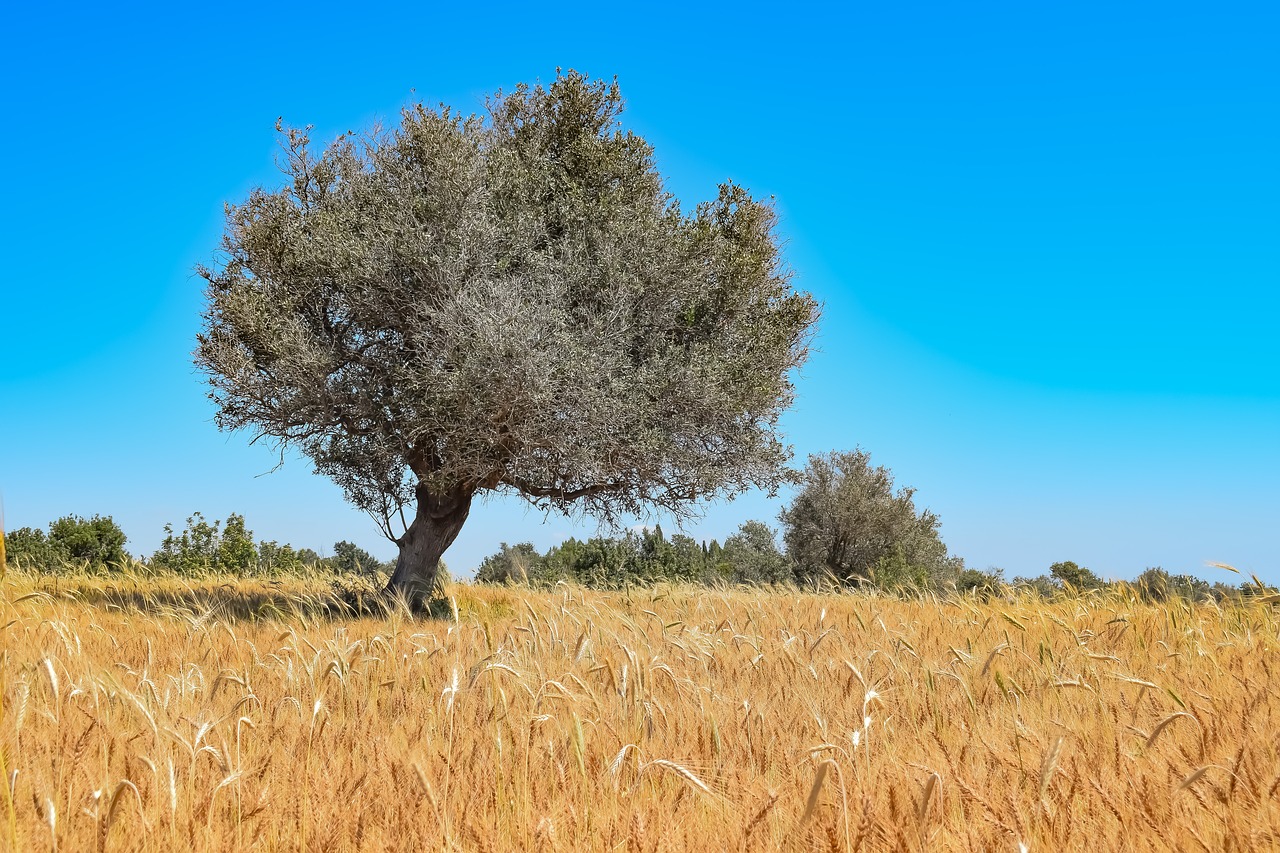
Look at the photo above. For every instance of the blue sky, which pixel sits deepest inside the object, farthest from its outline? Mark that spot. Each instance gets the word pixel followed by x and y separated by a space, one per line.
pixel 1046 235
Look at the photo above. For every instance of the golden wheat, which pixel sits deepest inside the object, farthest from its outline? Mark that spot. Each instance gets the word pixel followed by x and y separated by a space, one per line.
pixel 155 714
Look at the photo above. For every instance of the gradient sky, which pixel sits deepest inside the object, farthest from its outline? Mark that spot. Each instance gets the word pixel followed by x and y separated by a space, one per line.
pixel 1046 236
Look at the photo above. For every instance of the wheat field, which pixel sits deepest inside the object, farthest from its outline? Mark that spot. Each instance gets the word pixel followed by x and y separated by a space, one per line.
pixel 163 715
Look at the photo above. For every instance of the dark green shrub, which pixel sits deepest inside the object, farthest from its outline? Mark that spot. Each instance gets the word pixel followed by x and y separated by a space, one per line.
pixel 30 549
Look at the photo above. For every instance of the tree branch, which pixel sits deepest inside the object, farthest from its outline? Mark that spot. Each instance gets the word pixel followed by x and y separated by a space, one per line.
pixel 560 494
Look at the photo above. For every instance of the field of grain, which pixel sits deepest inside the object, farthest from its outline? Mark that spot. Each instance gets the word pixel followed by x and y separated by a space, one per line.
pixel 162 715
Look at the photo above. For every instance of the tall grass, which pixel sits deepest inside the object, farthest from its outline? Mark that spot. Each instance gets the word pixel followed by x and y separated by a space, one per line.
pixel 156 715
pixel 11 819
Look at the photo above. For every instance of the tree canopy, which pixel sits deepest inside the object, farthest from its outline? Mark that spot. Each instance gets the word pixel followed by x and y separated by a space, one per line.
pixel 848 522
pixel 95 543
pixel 507 302
pixel 1076 576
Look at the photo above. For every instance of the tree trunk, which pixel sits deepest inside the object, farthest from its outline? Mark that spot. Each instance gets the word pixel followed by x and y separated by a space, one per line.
pixel 437 522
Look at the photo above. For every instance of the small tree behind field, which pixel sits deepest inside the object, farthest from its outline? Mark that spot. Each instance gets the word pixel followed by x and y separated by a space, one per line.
pixel 29 548
pixel 849 523
pixel 97 542
pixel 753 556
pixel 1075 577
pixel 193 550
pixel 979 583
pixel 214 546
pixel 236 551
pixel 512 564
pixel 1156 584
pixel 274 558
pixel 72 542
pixel 351 558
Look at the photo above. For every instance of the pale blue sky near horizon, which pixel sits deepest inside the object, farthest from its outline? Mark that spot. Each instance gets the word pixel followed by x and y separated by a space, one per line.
pixel 1046 237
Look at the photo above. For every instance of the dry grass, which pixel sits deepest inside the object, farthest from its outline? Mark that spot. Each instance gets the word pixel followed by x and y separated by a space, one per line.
pixel 228 717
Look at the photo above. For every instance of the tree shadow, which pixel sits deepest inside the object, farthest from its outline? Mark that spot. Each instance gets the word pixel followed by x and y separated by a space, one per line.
pixel 338 599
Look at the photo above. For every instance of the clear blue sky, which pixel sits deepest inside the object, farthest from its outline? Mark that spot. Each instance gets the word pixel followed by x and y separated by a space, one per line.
pixel 1047 238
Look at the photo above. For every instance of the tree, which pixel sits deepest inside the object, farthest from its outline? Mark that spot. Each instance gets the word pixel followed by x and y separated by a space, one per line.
pixel 97 542
pixel 193 550
pixel 349 557
pixel 1042 586
pixel 981 584
pixel 753 553
pixel 847 521
pixel 509 565
pixel 559 563
pixel 236 551
pixel 1156 584
pixel 688 557
pixel 1075 577
pixel 29 548
pixel 504 303
pixel 273 558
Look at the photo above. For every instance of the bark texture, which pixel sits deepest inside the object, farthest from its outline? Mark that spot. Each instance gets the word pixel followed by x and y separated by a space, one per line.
pixel 437 522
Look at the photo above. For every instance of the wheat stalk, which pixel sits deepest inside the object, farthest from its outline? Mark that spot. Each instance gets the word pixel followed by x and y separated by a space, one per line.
pixel 681 771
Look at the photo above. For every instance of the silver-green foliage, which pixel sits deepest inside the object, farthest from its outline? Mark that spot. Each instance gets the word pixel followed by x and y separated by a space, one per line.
pixel 848 522
pixel 753 556
pixel 507 302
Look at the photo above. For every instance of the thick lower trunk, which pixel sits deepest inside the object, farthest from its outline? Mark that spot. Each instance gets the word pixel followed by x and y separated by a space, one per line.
pixel 437 522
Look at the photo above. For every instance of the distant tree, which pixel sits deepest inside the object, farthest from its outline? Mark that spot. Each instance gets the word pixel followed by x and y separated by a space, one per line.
pixel 753 554
pixel 1254 588
pixel 205 546
pixel 847 521
pixel 560 563
pixel 512 303
pixel 1153 584
pixel 1042 585
pixel 71 543
pixel 979 583
pixel 1191 587
pixel 29 548
pixel 512 564
pixel 97 542
pixel 273 558
pixel 209 546
pixel 193 550
pixel 688 557
pixel 1156 584
pixel 607 563
pixel 1077 578
pixel 655 559
pixel 349 557
pixel 1224 592
pixel 236 552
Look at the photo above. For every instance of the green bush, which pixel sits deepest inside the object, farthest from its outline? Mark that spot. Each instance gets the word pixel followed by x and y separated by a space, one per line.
pixel 193 551
pixel 752 555
pixel 203 546
pixel 30 549
pixel 1075 578
pixel 984 585
pixel 512 564
pixel 642 558
pixel 350 558
pixel 72 542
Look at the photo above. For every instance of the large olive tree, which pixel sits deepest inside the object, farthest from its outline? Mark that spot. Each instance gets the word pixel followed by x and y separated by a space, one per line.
pixel 508 302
